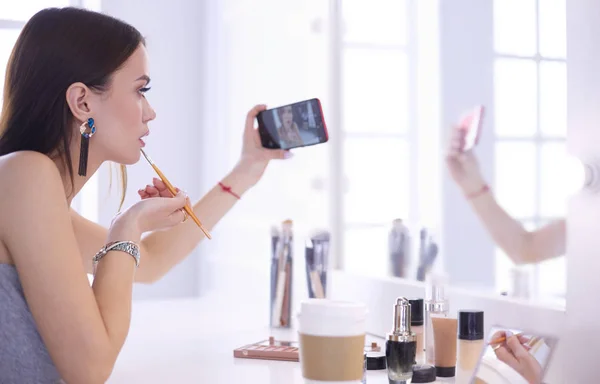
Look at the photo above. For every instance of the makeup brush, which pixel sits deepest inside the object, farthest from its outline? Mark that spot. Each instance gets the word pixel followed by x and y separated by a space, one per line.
pixel 502 339
pixel 172 189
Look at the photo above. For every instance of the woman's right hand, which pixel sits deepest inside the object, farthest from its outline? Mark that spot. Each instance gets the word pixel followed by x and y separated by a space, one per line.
pixel 151 214
pixel 463 165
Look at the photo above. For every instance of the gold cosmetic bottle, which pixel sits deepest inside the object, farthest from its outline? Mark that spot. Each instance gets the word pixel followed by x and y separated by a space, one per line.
pixel 401 345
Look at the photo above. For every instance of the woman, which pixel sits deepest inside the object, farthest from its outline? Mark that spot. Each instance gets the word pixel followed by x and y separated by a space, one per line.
pixel 520 245
pixel 288 132
pixel 73 99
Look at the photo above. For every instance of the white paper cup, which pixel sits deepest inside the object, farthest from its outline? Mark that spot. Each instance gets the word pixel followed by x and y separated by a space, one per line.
pixel 332 341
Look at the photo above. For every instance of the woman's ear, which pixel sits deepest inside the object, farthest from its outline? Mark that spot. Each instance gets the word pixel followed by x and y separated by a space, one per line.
pixel 78 99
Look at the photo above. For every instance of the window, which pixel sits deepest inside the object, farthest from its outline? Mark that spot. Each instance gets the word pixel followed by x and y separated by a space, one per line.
pixel 376 120
pixel 13 16
pixel 530 97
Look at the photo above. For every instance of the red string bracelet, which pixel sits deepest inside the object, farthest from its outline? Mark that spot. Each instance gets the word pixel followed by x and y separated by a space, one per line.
pixel 485 188
pixel 227 189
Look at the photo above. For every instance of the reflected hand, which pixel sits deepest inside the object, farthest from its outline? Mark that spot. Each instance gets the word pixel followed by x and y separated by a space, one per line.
pixel 517 356
pixel 463 165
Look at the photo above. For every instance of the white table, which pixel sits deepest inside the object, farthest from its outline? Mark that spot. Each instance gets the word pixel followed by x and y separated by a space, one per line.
pixel 192 341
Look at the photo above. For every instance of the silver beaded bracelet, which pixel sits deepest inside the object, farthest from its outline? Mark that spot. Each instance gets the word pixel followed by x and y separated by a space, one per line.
pixel 128 247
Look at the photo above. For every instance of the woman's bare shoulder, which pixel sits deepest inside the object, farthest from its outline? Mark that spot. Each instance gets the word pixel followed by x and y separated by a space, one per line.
pixel 29 180
pixel 22 165
pixel 27 174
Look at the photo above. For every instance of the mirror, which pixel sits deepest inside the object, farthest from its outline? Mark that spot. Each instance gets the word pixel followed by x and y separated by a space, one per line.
pixel 407 208
pixel 393 80
pixel 514 357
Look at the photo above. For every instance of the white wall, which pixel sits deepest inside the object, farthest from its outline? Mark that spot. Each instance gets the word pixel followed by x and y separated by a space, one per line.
pixel 582 328
pixel 175 32
pixel 466 80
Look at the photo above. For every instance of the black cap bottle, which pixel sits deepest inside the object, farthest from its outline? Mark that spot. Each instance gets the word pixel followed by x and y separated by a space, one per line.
pixel 470 343
pixel 417 308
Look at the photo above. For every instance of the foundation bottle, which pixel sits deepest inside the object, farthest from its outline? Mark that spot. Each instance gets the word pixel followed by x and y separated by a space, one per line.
pixel 401 345
pixel 436 304
pixel 470 344
pixel 416 322
pixel 444 335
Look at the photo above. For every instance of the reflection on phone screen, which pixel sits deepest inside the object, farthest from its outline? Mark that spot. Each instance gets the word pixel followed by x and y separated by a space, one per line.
pixel 292 126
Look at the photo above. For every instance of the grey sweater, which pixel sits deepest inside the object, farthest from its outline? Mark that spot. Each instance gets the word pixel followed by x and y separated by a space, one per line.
pixel 23 355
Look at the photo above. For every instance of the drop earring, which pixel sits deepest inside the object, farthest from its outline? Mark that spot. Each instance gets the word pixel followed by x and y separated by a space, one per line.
pixel 85 143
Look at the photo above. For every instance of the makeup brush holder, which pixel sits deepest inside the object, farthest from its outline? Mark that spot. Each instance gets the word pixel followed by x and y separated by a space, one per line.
pixel 281 276
pixel 317 263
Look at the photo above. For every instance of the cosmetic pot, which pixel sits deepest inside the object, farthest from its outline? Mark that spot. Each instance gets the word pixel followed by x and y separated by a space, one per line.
pixel 423 374
pixel 376 361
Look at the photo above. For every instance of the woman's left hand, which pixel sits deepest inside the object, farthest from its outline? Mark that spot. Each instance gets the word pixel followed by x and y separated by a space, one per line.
pixel 255 157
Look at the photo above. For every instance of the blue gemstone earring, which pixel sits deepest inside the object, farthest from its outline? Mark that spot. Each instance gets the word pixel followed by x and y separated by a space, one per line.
pixel 87 130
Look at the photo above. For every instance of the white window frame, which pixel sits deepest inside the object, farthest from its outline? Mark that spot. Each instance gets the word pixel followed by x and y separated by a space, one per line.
pixel 339 224
pixel 538 140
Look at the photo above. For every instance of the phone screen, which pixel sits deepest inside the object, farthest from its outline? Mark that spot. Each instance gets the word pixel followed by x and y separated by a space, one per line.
pixel 294 125
pixel 472 126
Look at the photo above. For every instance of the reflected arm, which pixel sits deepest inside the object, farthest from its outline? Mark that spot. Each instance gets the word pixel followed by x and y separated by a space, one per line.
pixel 521 246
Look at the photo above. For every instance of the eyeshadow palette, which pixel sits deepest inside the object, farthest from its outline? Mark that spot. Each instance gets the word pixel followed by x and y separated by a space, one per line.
pixel 272 349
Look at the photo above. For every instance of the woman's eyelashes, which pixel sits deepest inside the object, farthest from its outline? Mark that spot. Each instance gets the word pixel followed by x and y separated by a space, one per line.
pixel 142 91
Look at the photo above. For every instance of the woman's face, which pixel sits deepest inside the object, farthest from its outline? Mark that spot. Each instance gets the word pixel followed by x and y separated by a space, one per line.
pixel 122 113
pixel 287 117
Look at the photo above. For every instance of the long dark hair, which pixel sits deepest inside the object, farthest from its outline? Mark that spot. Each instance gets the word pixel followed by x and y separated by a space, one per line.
pixel 56 48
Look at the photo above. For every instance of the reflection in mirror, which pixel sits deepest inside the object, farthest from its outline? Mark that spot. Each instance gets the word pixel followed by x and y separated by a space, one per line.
pixel 514 357
pixel 507 219
pixel 394 185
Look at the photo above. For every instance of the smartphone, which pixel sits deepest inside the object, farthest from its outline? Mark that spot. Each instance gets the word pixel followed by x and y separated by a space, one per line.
pixel 294 125
pixel 472 125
